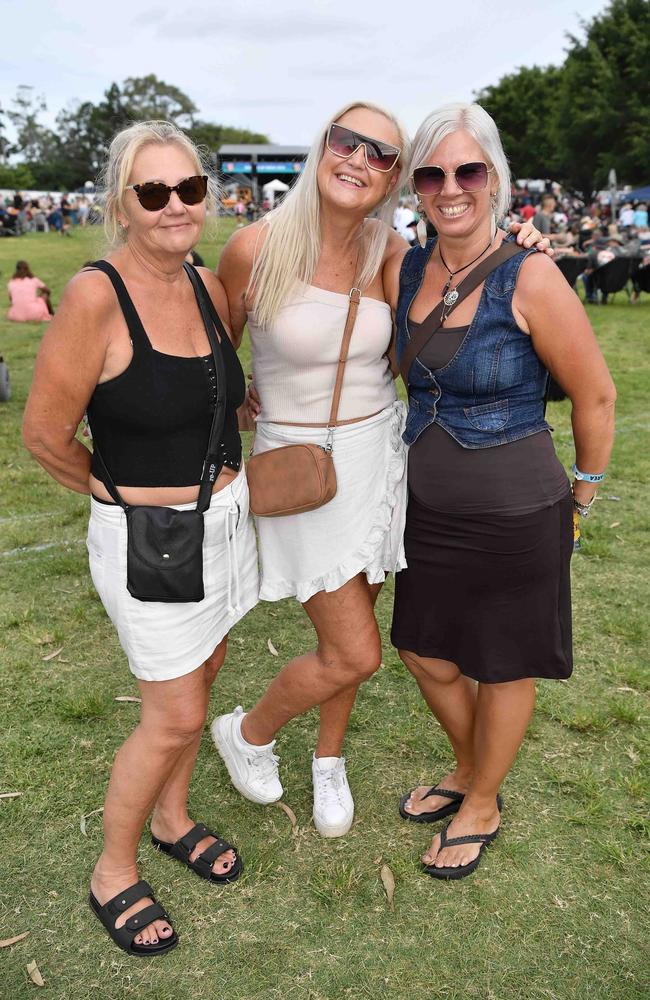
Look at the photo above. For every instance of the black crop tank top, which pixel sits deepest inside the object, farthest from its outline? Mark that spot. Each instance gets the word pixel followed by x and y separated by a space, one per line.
pixel 152 422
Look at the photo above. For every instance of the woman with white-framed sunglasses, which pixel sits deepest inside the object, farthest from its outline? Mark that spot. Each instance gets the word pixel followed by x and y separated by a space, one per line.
pixel 289 276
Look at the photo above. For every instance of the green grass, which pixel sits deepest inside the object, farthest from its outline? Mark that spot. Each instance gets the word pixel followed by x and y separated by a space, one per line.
pixel 558 909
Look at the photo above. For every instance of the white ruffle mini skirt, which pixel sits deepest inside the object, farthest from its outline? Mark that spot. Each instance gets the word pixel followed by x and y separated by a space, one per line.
pixel 360 531
pixel 164 641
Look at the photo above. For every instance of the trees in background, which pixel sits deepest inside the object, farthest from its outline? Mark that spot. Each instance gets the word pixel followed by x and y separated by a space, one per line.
pixel 72 153
pixel 577 121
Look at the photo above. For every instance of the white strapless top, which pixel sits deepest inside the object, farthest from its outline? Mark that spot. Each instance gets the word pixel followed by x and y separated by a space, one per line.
pixel 295 359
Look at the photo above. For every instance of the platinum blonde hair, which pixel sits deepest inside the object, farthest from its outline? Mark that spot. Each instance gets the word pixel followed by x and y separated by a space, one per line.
pixel 470 118
pixel 292 239
pixel 122 152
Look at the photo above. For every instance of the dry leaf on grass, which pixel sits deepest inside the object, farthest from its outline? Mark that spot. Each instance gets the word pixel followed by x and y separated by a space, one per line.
pixel 14 940
pixel 10 795
pixel 272 650
pixel 290 813
pixel 34 974
pixel 388 882
pixel 615 524
pixel 82 824
pixel 127 697
pixel 55 652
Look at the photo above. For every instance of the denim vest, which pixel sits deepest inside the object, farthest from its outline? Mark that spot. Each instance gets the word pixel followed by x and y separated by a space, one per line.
pixel 492 391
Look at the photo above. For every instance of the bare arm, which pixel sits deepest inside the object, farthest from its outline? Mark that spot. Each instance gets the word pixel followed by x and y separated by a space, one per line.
pixel 234 271
pixel 390 281
pixel 69 365
pixel 547 308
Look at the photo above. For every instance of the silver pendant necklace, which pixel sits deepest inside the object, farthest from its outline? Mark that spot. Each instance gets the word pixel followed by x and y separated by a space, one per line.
pixel 449 294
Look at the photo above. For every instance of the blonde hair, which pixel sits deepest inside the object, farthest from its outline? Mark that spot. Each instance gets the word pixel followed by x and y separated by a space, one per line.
pixel 474 119
pixel 292 243
pixel 122 152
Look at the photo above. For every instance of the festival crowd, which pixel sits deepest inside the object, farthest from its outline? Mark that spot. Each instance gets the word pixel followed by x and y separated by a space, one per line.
pixel 20 214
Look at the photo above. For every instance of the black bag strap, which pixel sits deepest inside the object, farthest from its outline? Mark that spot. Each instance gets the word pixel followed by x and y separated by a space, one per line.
pixel 434 320
pixel 211 465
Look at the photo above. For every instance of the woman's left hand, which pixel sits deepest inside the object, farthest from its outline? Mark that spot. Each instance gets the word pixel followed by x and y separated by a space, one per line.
pixel 528 236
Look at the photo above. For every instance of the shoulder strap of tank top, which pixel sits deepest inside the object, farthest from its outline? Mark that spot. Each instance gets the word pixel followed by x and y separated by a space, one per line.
pixel 133 321
pixel 434 320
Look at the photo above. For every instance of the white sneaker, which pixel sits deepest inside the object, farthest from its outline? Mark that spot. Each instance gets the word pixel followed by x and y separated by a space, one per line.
pixel 333 803
pixel 253 770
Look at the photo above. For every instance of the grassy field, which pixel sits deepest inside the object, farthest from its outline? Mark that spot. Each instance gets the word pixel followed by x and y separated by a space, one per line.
pixel 559 907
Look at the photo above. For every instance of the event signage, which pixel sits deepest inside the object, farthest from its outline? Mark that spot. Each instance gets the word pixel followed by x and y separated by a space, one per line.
pixel 234 167
pixel 279 168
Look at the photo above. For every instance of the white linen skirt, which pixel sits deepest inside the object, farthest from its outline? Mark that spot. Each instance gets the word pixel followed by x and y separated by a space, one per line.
pixel 359 531
pixel 163 641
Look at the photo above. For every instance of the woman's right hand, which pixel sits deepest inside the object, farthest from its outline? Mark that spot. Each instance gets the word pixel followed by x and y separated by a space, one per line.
pixel 253 403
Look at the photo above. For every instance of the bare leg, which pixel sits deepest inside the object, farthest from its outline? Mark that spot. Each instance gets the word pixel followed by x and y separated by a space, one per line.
pixel 503 712
pixel 349 651
pixel 335 712
pixel 170 818
pixel 452 698
pixel 172 718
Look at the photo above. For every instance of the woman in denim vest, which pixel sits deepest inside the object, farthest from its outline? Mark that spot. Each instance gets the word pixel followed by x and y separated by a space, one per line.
pixel 486 596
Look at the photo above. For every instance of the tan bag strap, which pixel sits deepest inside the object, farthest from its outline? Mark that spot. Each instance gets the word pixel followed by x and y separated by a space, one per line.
pixel 355 298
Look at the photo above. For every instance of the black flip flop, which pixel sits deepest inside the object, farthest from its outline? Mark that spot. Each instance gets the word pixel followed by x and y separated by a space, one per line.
pixel 484 839
pixel 202 864
pixel 432 817
pixel 123 936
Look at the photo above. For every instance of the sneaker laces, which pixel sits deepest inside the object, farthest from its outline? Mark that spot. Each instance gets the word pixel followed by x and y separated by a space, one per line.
pixel 265 763
pixel 329 783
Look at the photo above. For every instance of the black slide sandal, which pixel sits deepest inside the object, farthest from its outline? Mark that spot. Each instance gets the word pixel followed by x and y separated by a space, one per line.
pixel 484 839
pixel 123 936
pixel 202 864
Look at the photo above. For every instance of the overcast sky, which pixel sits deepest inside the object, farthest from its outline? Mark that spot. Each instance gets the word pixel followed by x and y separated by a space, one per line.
pixel 282 67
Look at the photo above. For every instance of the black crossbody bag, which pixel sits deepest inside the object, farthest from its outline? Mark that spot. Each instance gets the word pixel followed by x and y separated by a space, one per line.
pixel 164 545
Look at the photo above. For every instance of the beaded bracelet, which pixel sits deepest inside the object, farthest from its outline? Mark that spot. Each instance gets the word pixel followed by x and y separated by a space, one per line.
pixel 588 477
pixel 582 508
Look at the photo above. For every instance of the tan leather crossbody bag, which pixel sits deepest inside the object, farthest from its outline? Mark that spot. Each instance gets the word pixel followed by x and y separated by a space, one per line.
pixel 301 477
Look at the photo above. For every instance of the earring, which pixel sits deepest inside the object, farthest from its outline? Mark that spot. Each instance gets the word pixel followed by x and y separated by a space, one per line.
pixel 421 228
pixel 493 209
pixel 122 228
